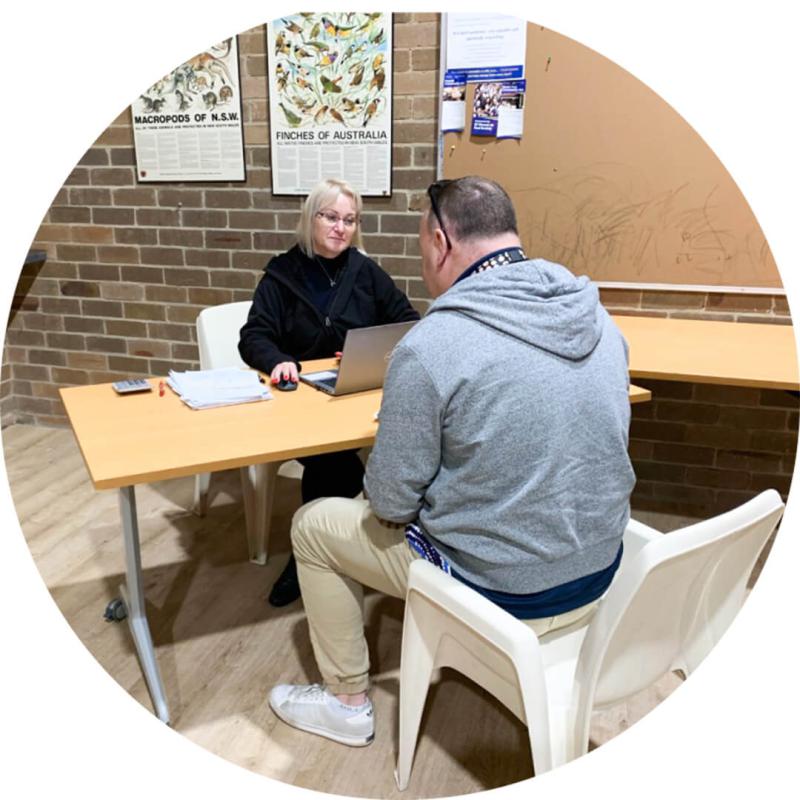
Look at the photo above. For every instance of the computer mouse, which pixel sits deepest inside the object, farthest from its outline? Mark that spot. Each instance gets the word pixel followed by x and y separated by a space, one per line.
pixel 286 385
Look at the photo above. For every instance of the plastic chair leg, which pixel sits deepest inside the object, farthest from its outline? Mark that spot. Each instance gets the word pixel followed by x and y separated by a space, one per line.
pixel 416 668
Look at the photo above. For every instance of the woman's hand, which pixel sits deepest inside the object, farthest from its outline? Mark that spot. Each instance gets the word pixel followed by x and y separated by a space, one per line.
pixel 286 370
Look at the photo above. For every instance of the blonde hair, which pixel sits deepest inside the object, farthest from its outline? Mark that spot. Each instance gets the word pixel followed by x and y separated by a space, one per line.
pixel 323 194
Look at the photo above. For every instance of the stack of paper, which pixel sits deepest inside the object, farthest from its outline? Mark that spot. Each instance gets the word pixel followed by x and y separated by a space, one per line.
pixel 209 388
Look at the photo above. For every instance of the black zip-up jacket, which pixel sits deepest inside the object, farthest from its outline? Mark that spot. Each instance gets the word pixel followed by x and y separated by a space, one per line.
pixel 284 324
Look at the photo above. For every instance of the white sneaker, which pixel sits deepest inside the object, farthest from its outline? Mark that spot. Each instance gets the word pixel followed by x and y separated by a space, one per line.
pixel 315 710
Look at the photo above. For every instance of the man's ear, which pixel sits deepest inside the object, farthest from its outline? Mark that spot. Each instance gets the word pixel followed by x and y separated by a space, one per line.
pixel 440 243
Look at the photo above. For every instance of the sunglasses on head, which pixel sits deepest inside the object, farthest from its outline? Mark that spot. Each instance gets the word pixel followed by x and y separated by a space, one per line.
pixel 434 191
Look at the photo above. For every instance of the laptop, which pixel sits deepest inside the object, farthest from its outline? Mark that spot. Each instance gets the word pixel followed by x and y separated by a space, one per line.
pixel 364 360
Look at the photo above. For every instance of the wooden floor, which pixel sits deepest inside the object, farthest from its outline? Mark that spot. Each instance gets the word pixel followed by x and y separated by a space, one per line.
pixel 221 646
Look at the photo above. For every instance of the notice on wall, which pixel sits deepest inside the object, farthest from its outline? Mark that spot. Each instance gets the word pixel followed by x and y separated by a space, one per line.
pixel 486 47
pixel 188 125
pixel 330 100
pixel 454 93
pixel 497 109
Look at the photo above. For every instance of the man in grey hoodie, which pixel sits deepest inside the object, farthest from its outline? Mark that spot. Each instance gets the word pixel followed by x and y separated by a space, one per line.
pixel 501 455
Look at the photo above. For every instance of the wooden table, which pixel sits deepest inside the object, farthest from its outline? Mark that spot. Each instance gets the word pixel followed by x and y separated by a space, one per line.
pixel 702 351
pixel 140 438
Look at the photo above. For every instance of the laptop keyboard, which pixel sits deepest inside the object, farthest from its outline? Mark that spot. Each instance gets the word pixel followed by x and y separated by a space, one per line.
pixel 329 382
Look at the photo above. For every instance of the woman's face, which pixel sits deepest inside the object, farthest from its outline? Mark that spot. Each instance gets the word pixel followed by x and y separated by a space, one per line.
pixel 334 226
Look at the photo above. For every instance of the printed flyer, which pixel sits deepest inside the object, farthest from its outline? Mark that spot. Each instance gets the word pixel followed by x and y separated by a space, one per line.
pixel 330 100
pixel 188 125
pixel 497 109
pixel 454 103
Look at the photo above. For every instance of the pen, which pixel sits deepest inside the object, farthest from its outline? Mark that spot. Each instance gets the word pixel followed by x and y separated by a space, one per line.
pixel 161 388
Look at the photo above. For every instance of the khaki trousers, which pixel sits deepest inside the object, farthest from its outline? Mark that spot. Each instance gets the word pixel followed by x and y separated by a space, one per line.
pixel 340 547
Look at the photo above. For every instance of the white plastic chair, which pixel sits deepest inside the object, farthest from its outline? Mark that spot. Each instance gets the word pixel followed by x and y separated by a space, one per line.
pixel 218 339
pixel 674 595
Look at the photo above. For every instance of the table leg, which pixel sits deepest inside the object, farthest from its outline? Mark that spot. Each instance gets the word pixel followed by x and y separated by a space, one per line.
pixel 133 596
pixel 258 488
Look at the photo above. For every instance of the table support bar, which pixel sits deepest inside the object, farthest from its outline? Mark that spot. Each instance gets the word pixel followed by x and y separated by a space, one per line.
pixel 133 597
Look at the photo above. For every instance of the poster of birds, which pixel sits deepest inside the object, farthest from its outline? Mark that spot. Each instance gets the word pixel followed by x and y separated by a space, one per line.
pixel 330 98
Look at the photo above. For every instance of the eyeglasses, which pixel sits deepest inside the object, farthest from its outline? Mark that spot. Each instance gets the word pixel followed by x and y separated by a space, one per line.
pixel 332 219
pixel 434 190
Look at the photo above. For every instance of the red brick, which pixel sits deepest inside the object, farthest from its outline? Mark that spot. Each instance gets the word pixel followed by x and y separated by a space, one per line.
pixel 83 324
pixel 683 453
pixel 113 216
pixel 101 308
pixel 748 460
pixel 112 176
pixel 166 294
pixel 135 236
pixel 126 328
pixel 676 300
pixel 105 344
pixel 228 198
pixel 687 412
pixel 142 274
pixel 230 239
pixel 170 332
pixel 218 259
pixel 144 311
pixel 186 277
pixel 79 289
pixel 773 441
pixel 161 256
pixel 753 418
pixel 118 255
pixel 665 473
pixel 660 431
pixel 158 217
pixel 717 478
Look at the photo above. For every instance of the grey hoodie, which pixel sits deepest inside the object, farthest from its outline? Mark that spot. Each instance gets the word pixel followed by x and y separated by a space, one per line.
pixel 504 429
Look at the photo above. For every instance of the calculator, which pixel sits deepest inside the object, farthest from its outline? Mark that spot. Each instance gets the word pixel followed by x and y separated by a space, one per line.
pixel 131 386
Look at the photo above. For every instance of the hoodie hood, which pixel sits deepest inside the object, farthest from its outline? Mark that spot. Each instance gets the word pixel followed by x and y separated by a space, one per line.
pixel 536 301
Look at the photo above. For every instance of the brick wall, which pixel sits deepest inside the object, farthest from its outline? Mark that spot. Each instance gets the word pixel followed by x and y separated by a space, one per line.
pixel 129 267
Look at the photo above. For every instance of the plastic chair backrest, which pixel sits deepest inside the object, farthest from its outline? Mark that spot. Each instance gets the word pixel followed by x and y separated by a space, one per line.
pixel 218 334
pixel 674 601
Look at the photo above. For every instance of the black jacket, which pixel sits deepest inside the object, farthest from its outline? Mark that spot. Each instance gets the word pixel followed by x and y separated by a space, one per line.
pixel 284 324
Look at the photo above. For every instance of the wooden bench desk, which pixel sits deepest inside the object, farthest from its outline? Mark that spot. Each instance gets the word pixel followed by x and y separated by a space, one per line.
pixel 701 351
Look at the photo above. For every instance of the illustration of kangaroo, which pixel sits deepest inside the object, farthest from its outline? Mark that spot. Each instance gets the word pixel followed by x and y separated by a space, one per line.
pixel 211 64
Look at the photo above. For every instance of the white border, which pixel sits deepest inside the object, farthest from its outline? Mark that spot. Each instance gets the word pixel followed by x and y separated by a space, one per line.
pixel 731 70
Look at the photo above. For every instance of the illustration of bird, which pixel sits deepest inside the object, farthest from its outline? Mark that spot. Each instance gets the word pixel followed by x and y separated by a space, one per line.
pixel 377 38
pixel 319 116
pixel 291 117
pixel 301 52
pixel 281 45
pixel 326 59
pixel 358 77
pixel 370 111
pixel 349 105
pixel 336 115
pixel 315 30
pixel 370 19
pixel 292 26
pixel 329 85
pixel 301 83
pixel 377 61
pixel 336 30
pixel 317 45
pixel 378 80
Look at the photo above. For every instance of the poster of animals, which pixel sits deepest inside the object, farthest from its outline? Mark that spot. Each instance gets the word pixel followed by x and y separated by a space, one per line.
pixel 330 100
pixel 188 125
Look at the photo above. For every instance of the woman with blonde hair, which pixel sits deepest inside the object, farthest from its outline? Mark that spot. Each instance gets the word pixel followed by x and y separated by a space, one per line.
pixel 306 301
